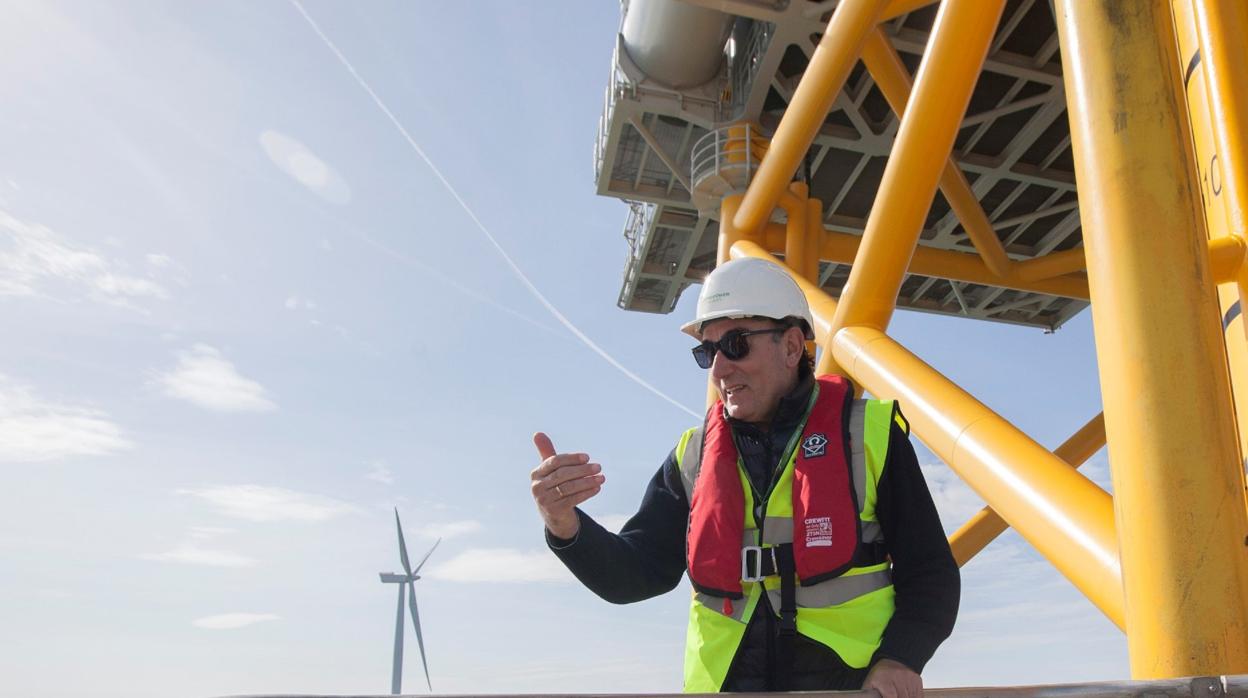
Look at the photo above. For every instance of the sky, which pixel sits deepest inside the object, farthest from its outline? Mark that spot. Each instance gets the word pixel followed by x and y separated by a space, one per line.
pixel 269 271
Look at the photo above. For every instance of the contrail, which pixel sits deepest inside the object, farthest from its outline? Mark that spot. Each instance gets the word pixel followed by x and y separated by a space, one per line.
pixel 481 226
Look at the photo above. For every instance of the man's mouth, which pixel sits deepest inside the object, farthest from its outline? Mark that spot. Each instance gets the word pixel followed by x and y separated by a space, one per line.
pixel 732 390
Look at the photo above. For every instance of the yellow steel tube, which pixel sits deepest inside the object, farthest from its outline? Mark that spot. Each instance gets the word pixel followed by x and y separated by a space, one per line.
pixel 728 235
pixel 897 8
pixel 893 79
pixel 982 528
pixel 825 75
pixel 814 239
pixel 1226 257
pixel 1052 264
pixel 822 306
pixel 797 252
pixel 1221 26
pixel 842 248
pixel 955 53
pixel 1168 413
pixel 1064 515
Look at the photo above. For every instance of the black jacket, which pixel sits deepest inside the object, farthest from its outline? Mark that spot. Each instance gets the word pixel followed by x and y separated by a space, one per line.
pixel 647 558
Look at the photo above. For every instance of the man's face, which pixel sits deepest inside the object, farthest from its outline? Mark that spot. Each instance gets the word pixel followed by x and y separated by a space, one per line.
pixel 751 387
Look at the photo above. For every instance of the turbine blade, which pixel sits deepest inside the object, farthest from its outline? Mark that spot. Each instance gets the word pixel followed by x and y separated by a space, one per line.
pixel 396 674
pixel 407 565
pixel 426 557
pixel 420 640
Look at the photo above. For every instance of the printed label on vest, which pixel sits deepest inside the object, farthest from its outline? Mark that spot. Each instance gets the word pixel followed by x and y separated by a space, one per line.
pixel 819 532
pixel 814 446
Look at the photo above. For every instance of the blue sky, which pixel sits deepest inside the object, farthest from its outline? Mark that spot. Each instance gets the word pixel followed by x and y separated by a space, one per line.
pixel 243 319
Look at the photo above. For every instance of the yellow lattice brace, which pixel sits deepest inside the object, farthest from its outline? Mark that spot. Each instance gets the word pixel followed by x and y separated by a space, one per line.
pixel 950 68
pixel 842 248
pixel 835 55
pixel 893 79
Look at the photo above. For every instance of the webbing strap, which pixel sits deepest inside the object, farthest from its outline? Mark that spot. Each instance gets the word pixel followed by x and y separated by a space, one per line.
pixel 787 635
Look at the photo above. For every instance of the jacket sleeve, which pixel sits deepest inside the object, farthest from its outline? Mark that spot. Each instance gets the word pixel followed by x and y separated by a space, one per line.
pixel 646 558
pixel 925 575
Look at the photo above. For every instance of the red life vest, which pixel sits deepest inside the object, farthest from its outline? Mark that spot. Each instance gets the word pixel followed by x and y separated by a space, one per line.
pixel 824 503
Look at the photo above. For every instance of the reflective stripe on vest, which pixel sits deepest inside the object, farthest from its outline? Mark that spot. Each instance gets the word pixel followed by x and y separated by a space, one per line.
pixel 846 613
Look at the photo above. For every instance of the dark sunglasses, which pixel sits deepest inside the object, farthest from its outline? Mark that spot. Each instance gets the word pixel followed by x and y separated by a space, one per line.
pixel 734 344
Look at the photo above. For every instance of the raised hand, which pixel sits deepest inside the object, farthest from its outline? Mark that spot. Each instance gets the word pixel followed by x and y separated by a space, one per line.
pixel 559 483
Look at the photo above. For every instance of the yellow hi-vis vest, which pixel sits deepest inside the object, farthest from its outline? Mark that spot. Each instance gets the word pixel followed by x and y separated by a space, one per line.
pixel 846 613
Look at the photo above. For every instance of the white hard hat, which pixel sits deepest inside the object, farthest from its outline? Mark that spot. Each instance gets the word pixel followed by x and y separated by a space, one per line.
pixel 750 287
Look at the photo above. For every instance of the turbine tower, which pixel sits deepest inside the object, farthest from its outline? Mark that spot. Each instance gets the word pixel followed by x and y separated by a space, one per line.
pixel 405 580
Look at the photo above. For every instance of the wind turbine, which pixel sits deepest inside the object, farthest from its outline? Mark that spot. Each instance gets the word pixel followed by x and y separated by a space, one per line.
pixel 406 579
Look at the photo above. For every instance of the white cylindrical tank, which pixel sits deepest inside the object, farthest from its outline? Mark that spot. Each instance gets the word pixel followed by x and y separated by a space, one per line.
pixel 674 43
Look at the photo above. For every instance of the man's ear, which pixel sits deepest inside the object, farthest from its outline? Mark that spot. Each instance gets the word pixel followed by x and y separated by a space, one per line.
pixel 794 346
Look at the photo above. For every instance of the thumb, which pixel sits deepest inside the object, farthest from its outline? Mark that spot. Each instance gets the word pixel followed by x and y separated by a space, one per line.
pixel 545 448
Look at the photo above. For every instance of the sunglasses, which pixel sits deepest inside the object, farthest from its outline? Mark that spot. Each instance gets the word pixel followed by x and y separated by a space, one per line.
pixel 734 344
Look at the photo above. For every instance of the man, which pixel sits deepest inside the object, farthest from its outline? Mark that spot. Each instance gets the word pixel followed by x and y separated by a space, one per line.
pixel 800 515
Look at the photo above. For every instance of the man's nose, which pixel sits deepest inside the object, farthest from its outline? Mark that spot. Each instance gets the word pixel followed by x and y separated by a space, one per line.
pixel 720 365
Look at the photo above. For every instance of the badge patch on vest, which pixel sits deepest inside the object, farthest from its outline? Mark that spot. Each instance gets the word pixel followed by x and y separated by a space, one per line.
pixel 815 445
pixel 819 532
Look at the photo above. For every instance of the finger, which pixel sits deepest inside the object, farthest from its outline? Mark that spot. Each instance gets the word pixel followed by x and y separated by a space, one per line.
pixel 575 499
pixel 569 473
pixel 883 687
pixel 555 462
pixel 555 495
pixel 545 448
pixel 571 487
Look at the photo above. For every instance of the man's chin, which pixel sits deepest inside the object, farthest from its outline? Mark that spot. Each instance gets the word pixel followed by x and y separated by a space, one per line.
pixel 738 411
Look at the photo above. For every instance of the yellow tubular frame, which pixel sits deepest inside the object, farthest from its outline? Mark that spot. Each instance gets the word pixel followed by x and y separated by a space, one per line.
pixel 1173 574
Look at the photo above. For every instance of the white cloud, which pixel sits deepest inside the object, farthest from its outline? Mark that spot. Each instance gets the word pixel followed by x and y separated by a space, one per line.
pixel 33 430
pixel 205 378
pixel 37 259
pixel 115 285
pixel 494 565
pixel 295 159
pixel 450 529
pixel 613 522
pixel 955 500
pixel 209 532
pixel 260 503
pixel 192 554
pixel 380 472
pixel 159 260
pixel 230 621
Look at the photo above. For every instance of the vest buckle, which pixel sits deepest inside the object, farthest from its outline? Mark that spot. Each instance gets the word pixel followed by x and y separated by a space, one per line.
pixel 753 559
